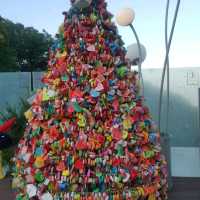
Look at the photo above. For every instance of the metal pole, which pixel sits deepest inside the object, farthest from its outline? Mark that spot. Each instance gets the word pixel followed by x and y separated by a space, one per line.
pixel 165 64
pixel 140 57
pixel 168 80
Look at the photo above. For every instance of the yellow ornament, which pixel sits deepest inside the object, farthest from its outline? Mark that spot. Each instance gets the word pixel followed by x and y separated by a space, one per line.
pixel 39 162
pixel 56 82
pixel 64 54
pixel 81 120
pixel 65 173
pixel 109 138
pixel 77 197
pixel 29 115
pixel 152 197
pixel 140 191
pixel 125 134
pixel 127 124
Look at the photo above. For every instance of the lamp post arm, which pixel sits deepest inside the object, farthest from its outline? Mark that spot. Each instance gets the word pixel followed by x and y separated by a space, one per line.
pixel 140 57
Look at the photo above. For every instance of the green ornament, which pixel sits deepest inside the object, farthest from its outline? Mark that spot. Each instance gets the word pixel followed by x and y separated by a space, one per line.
pixel 132 105
pixel 65 78
pixel 120 151
pixel 50 187
pixel 80 153
pixel 50 109
pixel 93 17
pixel 77 108
pixel 121 71
pixel 1 122
pixel 81 79
pixel 149 154
pixel 36 132
pixel 19 197
pixel 39 177
pixel 39 143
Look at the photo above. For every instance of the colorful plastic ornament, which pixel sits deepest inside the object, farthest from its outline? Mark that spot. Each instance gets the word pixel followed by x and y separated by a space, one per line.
pixel 31 190
pixel 17 183
pixel 47 196
pixel 39 162
pixel 121 71
pixel 81 120
pixel 39 177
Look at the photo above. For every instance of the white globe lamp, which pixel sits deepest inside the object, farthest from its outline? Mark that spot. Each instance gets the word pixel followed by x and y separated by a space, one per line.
pixel 133 53
pixel 125 17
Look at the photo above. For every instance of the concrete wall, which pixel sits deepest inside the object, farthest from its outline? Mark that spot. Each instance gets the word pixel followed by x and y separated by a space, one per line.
pixel 184 119
pixel 184 122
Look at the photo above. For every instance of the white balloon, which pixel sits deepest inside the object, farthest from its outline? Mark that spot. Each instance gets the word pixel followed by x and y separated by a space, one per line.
pixel 125 17
pixel 82 3
pixel 133 53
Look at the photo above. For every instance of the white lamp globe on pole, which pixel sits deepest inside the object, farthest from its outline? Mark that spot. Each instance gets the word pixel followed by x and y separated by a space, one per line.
pixel 133 53
pixel 125 17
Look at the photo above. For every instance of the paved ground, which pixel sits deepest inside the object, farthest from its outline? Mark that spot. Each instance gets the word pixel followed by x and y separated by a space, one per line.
pixel 184 189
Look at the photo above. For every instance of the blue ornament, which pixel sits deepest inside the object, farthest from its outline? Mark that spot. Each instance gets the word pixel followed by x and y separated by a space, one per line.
pixel 114 48
pixel 112 82
pixel 114 170
pixel 110 97
pixel 94 93
pixel 39 152
pixel 63 186
pixel 153 138
pixel 147 123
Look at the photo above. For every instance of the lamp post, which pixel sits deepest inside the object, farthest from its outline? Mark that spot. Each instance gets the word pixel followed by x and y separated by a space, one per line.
pixel 125 17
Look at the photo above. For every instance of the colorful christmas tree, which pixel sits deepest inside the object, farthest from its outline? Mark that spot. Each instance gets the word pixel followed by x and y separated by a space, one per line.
pixel 89 135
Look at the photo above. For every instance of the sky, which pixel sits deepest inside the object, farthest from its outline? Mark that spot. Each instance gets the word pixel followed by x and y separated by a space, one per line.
pixel 149 24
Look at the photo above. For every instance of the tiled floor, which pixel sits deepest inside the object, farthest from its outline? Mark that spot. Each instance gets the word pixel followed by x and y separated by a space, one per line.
pixel 184 189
